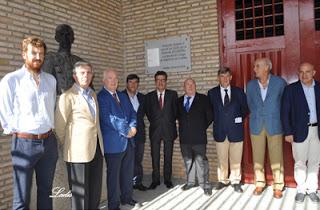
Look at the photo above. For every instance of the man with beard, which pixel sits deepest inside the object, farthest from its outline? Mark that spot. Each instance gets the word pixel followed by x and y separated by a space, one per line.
pixel 27 100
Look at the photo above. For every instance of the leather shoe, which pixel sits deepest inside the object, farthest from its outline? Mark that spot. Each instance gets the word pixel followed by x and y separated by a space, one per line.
pixel 130 202
pixel 219 185
pixel 237 188
pixel 140 187
pixel 300 197
pixel 277 193
pixel 208 192
pixel 314 197
pixel 187 187
pixel 168 184
pixel 258 191
pixel 153 185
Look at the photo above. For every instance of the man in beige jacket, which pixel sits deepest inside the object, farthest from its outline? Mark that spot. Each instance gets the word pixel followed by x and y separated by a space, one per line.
pixel 78 128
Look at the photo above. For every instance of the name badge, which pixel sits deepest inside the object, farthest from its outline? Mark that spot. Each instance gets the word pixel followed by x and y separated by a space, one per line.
pixel 238 120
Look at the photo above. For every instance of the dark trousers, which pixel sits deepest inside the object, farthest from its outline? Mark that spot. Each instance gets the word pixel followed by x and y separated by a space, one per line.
pixel 138 158
pixel 85 181
pixel 155 154
pixel 119 176
pixel 196 164
pixel 28 156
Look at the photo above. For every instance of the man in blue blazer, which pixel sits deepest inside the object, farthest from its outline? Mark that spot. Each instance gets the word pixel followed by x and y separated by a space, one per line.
pixel 137 100
pixel 300 112
pixel 229 106
pixel 264 99
pixel 118 126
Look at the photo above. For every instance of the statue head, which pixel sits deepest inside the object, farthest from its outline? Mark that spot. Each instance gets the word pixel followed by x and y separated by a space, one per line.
pixel 64 36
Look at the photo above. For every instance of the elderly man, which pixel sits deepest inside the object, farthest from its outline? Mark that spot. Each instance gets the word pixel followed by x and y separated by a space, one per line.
pixel 27 100
pixel 194 116
pixel 78 128
pixel 118 127
pixel 300 114
pixel 264 99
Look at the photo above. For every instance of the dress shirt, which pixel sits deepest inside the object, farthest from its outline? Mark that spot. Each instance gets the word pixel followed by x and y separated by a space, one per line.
pixel 86 93
pixel 185 100
pixel 163 93
pixel 311 100
pixel 115 92
pixel 263 91
pixel 223 93
pixel 134 101
pixel 24 106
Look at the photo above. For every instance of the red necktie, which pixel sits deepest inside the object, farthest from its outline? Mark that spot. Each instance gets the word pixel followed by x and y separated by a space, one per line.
pixel 116 98
pixel 160 101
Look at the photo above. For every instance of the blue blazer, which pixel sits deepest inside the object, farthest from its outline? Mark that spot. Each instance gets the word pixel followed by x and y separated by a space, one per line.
pixel 265 113
pixel 224 117
pixel 115 120
pixel 295 111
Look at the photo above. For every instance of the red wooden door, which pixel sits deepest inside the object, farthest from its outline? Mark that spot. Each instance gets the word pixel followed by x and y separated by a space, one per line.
pixel 284 31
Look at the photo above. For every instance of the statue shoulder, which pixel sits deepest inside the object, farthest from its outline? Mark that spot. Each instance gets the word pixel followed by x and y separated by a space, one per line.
pixel 54 58
pixel 75 58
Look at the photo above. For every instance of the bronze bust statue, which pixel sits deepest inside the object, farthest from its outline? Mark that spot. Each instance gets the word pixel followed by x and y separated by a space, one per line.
pixel 60 64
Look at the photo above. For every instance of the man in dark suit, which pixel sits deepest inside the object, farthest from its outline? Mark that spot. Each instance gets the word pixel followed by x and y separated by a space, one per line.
pixel 194 116
pixel 118 126
pixel 161 110
pixel 300 113
pixel 229 105
pixel 137 100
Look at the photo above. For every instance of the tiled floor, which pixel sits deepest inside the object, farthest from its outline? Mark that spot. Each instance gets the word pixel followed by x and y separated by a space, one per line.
pixel 163 199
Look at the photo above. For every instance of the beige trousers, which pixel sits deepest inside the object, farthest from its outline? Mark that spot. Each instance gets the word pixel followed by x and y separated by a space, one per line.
pixel 229 152
pixel 276 158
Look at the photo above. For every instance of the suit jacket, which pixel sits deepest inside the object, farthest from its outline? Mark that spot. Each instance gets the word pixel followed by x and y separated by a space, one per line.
pixel 193 124
pixel 228 121
pixel 265 113
pixel 162 122
pixel 140 137
pixel 295 111
pixel 115 120
pixel 76 128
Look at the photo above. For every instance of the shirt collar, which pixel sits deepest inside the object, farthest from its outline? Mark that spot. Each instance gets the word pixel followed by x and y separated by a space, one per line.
pixel 163 93
pixel 82 90
pixel 305 86
pixel 115 92
pixel 222 88
pixel 28 73
pixel 260 85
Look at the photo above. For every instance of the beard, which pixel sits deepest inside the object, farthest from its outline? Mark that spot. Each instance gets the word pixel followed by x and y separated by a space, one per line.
pixel 34 65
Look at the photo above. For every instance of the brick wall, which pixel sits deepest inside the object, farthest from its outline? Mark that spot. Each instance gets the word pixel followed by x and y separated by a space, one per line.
pixel 152 19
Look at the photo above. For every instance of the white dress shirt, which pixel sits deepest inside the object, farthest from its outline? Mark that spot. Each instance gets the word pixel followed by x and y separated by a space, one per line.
pixel 264 91
pixel 24 106
pixel 86 93
pixel 311 100
pixel 223 93
pixel 163 93
pixel 134 101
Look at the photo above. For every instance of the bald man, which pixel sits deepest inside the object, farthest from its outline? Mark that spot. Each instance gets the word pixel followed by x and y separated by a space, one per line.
pixel 264 100
pixel 118 127
pixel 300 112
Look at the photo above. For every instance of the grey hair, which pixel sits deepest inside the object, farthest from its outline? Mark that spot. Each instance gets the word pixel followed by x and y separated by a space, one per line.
pixel 80 64
pixel 268 62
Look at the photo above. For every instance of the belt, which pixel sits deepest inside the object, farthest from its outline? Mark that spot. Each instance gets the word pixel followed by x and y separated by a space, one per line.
pixel 34 136
pixel 313 124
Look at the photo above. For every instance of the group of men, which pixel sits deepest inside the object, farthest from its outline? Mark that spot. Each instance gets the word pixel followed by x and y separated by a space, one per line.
pixel 110 125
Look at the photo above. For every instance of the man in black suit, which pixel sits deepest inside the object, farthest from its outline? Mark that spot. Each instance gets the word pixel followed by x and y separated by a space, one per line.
pixel 161 110
pixel 194 116
pixel 229 106
pixel 137 100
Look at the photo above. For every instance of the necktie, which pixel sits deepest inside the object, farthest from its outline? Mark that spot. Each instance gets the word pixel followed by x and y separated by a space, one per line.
pixel 160 101
pixel 116 98
pixel 226 98
pixel 187 105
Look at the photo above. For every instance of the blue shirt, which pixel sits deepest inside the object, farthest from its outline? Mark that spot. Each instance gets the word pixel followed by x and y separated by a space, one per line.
pixel 311 100
pixel 24 106
pixel 190 100
pixel 87 95
pixel 134 101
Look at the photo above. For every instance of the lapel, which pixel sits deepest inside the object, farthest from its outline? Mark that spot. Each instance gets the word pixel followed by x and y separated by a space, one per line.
pixel 300 92
pixel 270 87
pixel 317 95
pixel 166 98
pixel 94 96
pixel 155 99
pixel 219 96
pixel 83 103
pixel 257 90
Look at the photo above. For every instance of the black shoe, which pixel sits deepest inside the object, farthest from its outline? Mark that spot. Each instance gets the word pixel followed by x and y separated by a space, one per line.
pixel 140 187
pixel 219 185
pixel 237 188
pixel 153 185
pixel 114 209
pixel 130 202
pixel 187 187
pixel 300 197
pixel 314 197
pixel 168 184
pixel 208 192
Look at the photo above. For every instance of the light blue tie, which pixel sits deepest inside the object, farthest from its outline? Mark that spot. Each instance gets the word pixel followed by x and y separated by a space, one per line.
pixel 187 105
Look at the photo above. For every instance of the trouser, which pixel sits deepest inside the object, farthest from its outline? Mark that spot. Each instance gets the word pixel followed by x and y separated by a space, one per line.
pixel 306 174
pixel 276 158
pixel 229 152
pixel 138 158
pixel 29 155
pixel 155 155
pixel 85 182
pixel 119 176
pixel 196 164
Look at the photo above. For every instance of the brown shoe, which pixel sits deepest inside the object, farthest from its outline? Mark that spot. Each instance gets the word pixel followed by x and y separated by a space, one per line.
pixel 277 194
pixel 258 190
